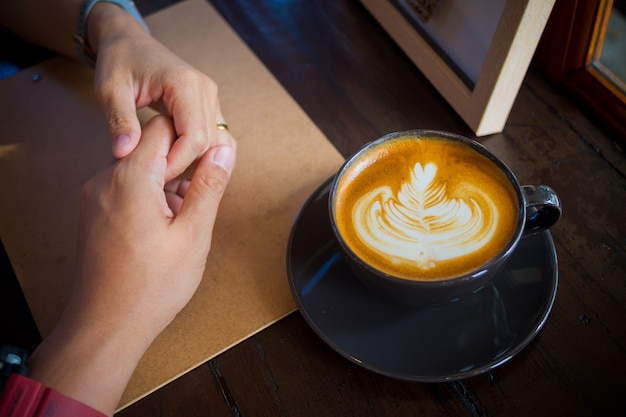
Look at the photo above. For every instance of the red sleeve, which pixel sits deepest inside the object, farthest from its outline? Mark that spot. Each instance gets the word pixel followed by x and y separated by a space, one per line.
pixel 25 397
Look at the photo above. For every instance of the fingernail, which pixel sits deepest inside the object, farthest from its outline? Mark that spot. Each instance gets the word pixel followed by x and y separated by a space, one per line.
pixel 121 141
pixel 224 156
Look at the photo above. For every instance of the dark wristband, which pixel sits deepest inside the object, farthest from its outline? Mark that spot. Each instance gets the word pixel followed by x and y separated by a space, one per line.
pixel 25 397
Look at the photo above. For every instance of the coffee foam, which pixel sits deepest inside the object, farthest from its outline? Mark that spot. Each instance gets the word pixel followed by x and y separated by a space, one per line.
pixel 425 209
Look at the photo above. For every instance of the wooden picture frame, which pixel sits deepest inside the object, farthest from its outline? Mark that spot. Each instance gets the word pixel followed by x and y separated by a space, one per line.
pixel 485 105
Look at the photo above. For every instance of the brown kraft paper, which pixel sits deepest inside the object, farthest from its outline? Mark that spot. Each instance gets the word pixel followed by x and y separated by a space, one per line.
pixel 54 138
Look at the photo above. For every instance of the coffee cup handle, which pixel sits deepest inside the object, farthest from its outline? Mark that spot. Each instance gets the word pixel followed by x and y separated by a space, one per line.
pixel 543 208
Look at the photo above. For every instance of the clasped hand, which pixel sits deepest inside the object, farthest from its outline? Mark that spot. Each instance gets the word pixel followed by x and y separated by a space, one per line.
pixel 142 250
pixel 134 70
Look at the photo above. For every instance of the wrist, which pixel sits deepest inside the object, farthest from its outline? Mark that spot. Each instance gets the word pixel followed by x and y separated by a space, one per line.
pixel 100 19
pixel 24 397
pixel 89 362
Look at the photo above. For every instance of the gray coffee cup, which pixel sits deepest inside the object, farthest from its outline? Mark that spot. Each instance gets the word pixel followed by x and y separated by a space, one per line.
pixel 455 161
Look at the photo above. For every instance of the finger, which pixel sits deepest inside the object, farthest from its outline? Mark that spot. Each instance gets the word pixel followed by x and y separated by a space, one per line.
pixel 206 189
pixel 186 170
pixel 151 152
pixel 190 145
pixel 120 111
pixel 195 118
pixel 174 202
pixel 175 192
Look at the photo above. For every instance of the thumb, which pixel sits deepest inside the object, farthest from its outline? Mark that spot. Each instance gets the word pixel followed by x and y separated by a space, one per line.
pixel 207 188
pixel 124 127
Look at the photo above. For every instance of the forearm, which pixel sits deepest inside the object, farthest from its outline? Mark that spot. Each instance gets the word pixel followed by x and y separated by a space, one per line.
pixel 88 362
pixel 54 24
pixel 50 24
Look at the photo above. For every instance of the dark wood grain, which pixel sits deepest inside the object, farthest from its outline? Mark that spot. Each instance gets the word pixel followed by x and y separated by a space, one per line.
pixel 356 85
pixel 344 71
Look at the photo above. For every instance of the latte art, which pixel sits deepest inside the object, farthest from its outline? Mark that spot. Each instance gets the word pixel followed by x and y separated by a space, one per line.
pixel 422 225
pixel 424 208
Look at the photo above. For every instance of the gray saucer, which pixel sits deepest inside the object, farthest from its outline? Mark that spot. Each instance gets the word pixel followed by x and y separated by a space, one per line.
pixel 452 341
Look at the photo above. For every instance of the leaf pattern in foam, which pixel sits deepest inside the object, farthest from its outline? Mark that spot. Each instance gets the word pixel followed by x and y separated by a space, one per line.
pixel 422 224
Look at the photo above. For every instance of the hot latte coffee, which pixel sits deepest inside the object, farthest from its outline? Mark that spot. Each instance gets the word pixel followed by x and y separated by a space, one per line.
pixel 425 208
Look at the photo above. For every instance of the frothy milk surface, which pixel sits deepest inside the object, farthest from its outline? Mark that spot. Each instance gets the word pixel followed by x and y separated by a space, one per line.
pixel 425 209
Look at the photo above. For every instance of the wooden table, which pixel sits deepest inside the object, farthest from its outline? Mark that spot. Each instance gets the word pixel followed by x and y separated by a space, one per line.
pixel 356 85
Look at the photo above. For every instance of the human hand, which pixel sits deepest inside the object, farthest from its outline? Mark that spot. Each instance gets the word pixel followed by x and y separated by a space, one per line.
pixel 134 70
pixel 142 239
pixel 142 251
